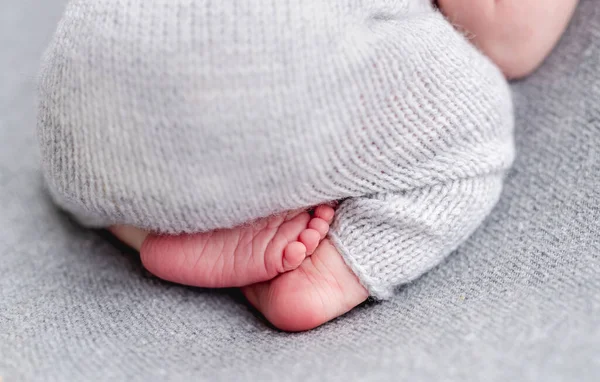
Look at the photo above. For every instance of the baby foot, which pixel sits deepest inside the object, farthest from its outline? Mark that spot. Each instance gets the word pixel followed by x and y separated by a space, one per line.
pixel 232 257
pixel 321 289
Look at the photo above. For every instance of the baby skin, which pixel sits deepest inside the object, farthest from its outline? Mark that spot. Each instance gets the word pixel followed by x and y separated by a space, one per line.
pixel 286 266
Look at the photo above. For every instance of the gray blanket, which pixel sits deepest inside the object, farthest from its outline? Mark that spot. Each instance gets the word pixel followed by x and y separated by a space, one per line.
pixel 519 301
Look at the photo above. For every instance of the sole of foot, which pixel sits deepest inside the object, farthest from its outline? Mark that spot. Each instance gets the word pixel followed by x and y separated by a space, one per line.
pixel 322 288
pixel 236 257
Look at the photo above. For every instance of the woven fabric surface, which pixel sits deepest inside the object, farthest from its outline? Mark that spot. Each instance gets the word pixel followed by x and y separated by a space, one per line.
pixel 520 300
pixel 192 116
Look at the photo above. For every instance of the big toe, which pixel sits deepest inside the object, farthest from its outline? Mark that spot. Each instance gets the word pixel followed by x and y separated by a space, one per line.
pixel 321 289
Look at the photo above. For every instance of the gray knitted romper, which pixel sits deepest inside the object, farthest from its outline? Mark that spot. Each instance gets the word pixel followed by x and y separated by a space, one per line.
pixel 190 115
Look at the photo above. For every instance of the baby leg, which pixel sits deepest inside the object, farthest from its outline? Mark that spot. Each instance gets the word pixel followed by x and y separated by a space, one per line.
pixel 378 242
pixel 232 257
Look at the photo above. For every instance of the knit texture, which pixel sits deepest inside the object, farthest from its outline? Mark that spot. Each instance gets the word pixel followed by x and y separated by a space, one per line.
pixel 518 301
pixel 187 116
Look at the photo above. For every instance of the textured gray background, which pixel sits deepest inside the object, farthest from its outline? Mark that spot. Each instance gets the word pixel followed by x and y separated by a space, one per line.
pixel 519 301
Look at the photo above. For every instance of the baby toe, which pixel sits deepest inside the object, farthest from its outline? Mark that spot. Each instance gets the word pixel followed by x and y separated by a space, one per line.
pixel 325 212
pixel 321 289
pixel 320 226
pixel 293 255
pixel 310 238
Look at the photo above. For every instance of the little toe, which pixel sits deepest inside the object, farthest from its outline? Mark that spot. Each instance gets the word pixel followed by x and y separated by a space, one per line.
pixel 293 255
pixel 325 212
pixel 310 238
pixel 320 226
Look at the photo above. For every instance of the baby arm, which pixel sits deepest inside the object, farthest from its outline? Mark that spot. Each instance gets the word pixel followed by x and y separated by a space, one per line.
pixel 516 34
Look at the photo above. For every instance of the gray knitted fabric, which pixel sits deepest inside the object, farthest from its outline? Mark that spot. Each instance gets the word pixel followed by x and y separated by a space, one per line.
pixel 519 301
pixel 181 116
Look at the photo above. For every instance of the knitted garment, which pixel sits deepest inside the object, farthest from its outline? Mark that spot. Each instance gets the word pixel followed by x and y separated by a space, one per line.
pixel 187 116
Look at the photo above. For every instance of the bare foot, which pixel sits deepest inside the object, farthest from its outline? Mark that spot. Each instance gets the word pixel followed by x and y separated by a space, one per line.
pixel 234 257
pixel 321 289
